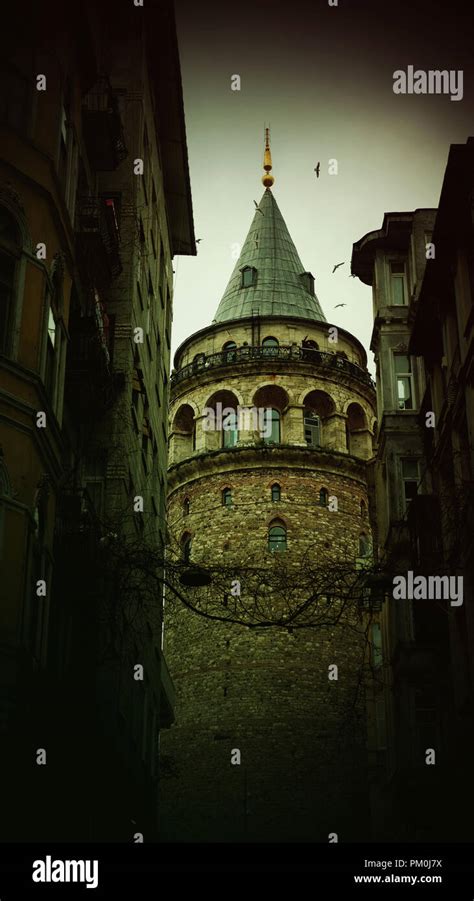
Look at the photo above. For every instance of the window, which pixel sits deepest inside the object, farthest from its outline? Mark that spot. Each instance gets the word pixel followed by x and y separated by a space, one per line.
pixel 270 346
pixel 276 493
pixel 364 545
pixel 398 289
pixel 312 428
pixel 323 497
pixel 14 97
pixel 229 351
pixel 271 426
pixel 277 536
pixel 50 369
pixel 230 434
pixel 199 361
pixel 404 379
pixel 249 277
pixel 376 648
pixel 10 246
pixel 410 479
pixel 363 509
pixel 186 543
pixel 227 497
pixel 307 279
pixel 68 158
pixel 186 506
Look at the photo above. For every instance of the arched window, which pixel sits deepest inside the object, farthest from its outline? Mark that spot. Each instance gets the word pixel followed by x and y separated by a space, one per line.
pixel 199 360
pixel 186 543
pixel 310 350
pixel 356 431
pixel 312 428
pixel 230 432
pixel 270 346
pixel 10 248
pixel 186 506
pixel 229 351
pixel 249 277
pixel 271 431
pixel 276 493
pixel 364 545
pixel 363 509
pixel 323 497
pixel 277 536
pixel 184 433
pixel 227 497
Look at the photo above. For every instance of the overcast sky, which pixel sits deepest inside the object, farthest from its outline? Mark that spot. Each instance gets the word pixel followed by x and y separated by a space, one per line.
pixel 322 78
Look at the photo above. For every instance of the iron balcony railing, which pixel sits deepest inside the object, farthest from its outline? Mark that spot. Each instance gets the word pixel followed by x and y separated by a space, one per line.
pixel 103 127
pixel 321 359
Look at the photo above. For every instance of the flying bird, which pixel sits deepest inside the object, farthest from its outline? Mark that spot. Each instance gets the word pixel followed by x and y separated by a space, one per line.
pixel 340 305
pixel 198 240
pixel 318 167
pixel 258 208
pixel 336 267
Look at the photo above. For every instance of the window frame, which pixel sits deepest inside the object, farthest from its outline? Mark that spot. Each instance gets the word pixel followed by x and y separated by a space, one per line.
pixel 275 490
pixel 12 250
pixel 312 427
pixel 226 497
pixel 407 376
pixel 277 543
pixel 398 277
pixel 248 271
pixel 275 418
pixel 406 501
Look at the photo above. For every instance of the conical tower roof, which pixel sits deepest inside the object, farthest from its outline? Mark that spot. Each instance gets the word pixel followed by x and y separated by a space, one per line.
pixel 279 288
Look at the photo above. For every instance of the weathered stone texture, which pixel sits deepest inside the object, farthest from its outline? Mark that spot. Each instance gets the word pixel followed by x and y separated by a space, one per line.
pixel 302 738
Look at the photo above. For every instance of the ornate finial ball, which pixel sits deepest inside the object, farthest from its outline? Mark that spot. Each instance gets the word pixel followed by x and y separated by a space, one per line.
pixel 267 180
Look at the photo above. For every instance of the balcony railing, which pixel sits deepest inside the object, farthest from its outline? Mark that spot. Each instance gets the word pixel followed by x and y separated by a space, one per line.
pixel 75 515
pixel 89 376
pixel 98 240
pixel 102 126
pixel 329 362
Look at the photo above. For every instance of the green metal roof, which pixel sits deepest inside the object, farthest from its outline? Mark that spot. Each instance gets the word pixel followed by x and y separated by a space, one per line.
pixel 279 290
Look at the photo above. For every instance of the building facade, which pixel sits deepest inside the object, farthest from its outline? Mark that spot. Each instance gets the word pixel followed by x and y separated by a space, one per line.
pixel 419 267
pixel 271 419
pixel 95 203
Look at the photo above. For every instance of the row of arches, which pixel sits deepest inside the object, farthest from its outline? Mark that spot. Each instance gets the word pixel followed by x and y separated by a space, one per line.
pixel 224 422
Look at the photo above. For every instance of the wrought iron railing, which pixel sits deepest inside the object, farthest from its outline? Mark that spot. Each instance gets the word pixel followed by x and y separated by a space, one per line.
pixel 330 362
pixel 103 127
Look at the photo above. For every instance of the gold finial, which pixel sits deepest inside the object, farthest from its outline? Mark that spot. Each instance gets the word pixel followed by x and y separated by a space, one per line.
pixel 267 179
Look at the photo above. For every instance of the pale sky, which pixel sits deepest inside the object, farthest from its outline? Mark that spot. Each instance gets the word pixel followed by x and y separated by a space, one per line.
pixel 322 78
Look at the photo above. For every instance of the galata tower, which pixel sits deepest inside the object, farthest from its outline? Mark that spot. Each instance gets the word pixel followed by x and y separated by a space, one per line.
pixel 271 431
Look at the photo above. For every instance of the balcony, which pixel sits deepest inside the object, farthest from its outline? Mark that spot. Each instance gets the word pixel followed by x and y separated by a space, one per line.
pixel 424 518
pixel 102 127
pixel 89 377
pixel 98 240
pixel 77 529
pixel 329 363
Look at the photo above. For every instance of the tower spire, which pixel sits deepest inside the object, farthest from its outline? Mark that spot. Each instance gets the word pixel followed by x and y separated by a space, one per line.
pixel 267 179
